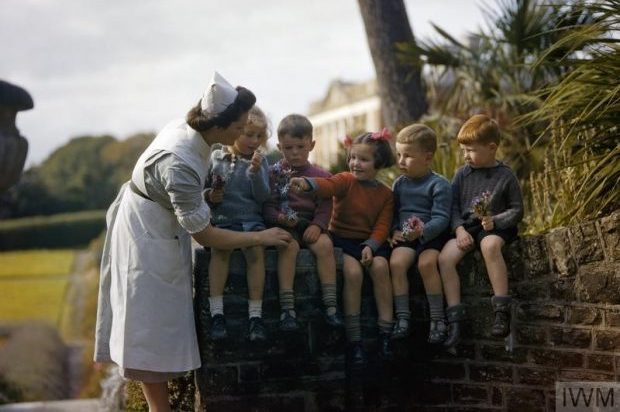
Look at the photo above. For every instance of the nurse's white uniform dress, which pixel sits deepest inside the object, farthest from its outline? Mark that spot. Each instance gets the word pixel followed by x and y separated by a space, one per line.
pixel 145 319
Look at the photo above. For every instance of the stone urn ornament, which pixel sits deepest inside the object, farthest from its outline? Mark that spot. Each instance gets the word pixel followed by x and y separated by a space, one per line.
pixel 13 146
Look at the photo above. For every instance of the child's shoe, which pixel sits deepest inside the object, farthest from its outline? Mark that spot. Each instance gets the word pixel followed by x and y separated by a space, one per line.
pixel 356 356
pixel 218 328
pixel 455 316
pixel 401 329
pixel 257 332
pixel 288 322
pixel 437 332
pixel 501 323
pixel 385 347
pixel 335 320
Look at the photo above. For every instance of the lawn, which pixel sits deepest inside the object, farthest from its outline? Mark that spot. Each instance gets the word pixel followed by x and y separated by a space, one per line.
pixel 33 284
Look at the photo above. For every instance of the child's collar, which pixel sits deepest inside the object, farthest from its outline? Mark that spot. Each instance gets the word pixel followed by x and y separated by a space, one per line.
pixel 469 170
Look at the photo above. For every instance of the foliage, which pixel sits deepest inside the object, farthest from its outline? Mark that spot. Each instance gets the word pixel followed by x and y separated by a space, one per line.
pixel 84 174
pixel 494 72
pixel 33 360
pixel 581 176
pixel 57 231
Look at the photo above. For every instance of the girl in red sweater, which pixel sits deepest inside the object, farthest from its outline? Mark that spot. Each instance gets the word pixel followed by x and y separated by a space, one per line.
pixel 360 224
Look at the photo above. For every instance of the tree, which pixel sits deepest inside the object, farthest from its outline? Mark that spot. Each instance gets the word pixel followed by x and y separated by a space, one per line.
pixel 400 88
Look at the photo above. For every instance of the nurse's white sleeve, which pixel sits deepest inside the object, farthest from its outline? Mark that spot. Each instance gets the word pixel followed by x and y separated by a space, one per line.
pixel 183 187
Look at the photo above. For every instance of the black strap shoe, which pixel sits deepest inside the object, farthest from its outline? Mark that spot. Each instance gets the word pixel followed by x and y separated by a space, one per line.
pixel 257 332
pixel 218 328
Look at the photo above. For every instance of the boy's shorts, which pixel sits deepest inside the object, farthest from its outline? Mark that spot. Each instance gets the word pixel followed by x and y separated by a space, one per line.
pixel 354 247
pixel 478 233
pixel 436 244
pixel 240 227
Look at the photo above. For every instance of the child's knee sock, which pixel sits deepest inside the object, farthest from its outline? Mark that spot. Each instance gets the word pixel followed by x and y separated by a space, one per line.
pixel 435 304
pixel 401 306
pixel 330 300
pixel 287 301
pixel 353 327
pixel 216 305
pixel 255 308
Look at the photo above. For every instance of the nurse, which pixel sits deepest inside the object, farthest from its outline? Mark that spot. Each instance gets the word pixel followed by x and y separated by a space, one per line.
pixel 145 319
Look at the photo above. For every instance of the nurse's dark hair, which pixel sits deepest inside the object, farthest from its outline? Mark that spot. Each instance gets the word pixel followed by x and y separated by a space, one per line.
pixel 200 121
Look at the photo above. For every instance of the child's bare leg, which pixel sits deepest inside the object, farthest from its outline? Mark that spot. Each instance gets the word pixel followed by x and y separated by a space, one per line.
pixel 382 288
pixel 449 257
pixel 218 275
pixel 255 263
pixel 323 250
pixel 287 258
pixel 491 248
pixel 156 395
pixel 400 261
pixel 428 267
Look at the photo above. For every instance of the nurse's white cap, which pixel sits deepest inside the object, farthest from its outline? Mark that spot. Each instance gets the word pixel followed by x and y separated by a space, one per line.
pixel 218 95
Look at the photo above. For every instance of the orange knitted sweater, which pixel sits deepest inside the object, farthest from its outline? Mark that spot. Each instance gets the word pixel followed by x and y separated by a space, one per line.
pixel 362 210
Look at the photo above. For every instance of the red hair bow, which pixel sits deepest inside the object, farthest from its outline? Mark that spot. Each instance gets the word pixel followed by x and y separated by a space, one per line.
pixel 382 135
pixel 348 142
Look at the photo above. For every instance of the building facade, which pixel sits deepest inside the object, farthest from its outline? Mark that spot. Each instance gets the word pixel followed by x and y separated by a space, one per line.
pixel 347 108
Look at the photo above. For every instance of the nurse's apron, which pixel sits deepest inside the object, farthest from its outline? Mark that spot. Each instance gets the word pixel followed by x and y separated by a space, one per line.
pixel 145 318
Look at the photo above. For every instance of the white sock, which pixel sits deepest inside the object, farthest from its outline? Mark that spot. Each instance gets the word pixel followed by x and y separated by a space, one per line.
pixel 255 308
pixel 216 305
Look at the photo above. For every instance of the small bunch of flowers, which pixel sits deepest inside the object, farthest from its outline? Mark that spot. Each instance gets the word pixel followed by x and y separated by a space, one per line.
pixel 282 175
pixel 411 225
pixel 480 204
pixel 290 214
pixel 218 182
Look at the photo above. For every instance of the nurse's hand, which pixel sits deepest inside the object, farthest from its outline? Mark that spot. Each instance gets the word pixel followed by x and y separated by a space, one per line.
pixel 257 159
pixel 274 237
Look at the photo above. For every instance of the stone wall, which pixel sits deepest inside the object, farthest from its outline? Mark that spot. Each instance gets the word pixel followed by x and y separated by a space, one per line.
pixel 566 286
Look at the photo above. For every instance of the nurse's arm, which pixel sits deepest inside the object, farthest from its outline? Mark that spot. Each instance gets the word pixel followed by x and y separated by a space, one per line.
pixel 227 239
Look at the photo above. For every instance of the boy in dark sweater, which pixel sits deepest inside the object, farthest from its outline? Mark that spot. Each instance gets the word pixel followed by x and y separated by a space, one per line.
pixel 487 206
pixel 306 217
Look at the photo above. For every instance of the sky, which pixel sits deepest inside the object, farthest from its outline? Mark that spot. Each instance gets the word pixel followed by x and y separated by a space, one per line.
pixel 122 67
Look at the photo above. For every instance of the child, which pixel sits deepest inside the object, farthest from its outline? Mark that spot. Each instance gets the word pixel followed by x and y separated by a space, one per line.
pixel 360 224
pixel 486 208
pixel 239 184
pixel 305 217
pixel 422 201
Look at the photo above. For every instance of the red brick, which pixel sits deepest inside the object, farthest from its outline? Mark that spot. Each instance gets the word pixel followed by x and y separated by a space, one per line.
pixel 469 394
pixel 498 353
pixel 612 318
pixel 570 337
pixel 583 315
pixel 529 312
pixel 584 375
pixel 556 358
pixel 522 400
pixel 531 335
pixel 607 340
pixel 490 373
pixel 600 362
pixel 497 398
pixel 536 376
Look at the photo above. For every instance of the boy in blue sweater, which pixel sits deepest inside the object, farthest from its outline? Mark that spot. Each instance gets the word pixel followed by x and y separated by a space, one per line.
pixel 422 204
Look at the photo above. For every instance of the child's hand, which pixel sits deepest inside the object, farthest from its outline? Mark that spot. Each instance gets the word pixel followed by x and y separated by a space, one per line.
pixel 299 184
pixel 366 259
pixel 214 195
pixel 257 159
pixel 312 234
pixel 464 241
pixel 285 221
pixel 487 223
pixel 397 237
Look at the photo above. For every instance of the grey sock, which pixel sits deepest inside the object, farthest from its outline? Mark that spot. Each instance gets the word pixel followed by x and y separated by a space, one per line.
pixel 287 299
pixel 216 305
pixel 401 305
pixel 329 295
pixel 354 327
pixel 385 326
pixel 435 304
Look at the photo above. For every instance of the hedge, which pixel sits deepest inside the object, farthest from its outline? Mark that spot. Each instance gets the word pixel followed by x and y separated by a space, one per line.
pixel 66 230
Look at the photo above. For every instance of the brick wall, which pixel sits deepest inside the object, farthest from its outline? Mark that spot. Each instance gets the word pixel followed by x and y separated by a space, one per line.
pixel 566 286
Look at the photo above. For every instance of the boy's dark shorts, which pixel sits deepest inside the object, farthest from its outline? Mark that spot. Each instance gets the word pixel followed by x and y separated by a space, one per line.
pixel 478 233
pixel 354 247
pixel 436 244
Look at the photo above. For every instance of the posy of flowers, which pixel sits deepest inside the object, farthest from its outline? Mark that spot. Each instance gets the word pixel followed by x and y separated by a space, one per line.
pixel 480 205
pixel 412 225
pixel 282 176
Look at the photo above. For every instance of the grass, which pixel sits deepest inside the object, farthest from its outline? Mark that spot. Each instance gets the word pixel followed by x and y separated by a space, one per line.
pixel 33 284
